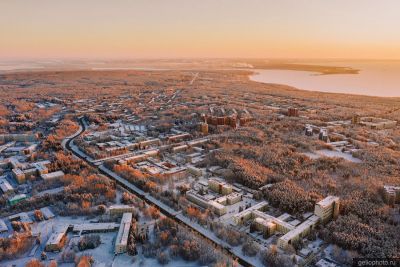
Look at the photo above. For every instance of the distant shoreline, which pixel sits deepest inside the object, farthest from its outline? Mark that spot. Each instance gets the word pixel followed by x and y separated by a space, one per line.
pixel 319 69
pixel 246 75
pixel 365 83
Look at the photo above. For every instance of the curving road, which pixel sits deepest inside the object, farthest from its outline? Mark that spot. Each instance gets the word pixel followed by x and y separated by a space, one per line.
pixel 167 211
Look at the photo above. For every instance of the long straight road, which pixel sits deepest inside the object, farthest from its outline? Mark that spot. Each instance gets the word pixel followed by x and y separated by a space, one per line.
pixel 194 78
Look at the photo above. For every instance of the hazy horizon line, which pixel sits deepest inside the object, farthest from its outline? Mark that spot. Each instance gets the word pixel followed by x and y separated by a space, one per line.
pixel 66 59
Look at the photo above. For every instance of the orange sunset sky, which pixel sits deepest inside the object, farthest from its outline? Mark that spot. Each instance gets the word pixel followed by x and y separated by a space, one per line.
pixel 365 29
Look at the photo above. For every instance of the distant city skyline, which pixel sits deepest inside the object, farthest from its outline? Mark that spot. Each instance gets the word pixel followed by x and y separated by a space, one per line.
pixel 122 29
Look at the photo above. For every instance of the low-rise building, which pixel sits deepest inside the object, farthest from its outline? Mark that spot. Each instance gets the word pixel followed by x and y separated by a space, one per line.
pixel 220 187
pixel 22 217
pixel 19 175
pixel 194 171
pixel 206 203
pixel 151 153
pixel 230 199
pixel 87 228
pixel 47 213
pixel 197 199
pixel 119 210
pixel 29 171
pixel 247 214
pixel 136 158
pixel 377 123
pixel 178 137
pixel 180 148
pixel 265 226
pixel 3 226
pixel 14 163
pixel 56 241
pixel 41 166
pixel 52 175
pixel 190 157
pixel 147 143
pixel 5 186
pixel 269 225
pixel 281 225
pixel 298 232
pixel 18 137
pixel 293 231
pixel 16 199
pixel 198 142
pixel 176 173
pixel 121 242
pixel 30 149
pixel 217 208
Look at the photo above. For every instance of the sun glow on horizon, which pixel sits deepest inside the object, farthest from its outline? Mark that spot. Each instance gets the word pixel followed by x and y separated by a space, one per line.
pixel 176 28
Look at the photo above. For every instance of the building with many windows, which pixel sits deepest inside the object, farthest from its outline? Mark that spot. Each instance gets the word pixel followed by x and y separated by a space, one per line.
pixel 220 187
pixel 57 239
pixel 119 209
pixel 121 243
pixel 293 231
pixel 327 209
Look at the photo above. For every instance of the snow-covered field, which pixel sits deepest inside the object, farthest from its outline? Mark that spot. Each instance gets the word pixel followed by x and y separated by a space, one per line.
pixel 139 261
pixel 332 154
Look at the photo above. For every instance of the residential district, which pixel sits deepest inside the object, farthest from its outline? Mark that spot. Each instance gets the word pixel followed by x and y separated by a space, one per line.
pixel 160 176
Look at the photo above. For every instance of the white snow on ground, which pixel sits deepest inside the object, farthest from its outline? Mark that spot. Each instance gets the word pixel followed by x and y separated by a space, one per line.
pixel 45 228
pixel 236 250
pixel 51 191
pixel 64 142
pixel 338 154
pixel 76 150
pixel 332 154
pixel 139 261
pixel 122 180
pixel 255 261
pixel 103 254
pixel 177 214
